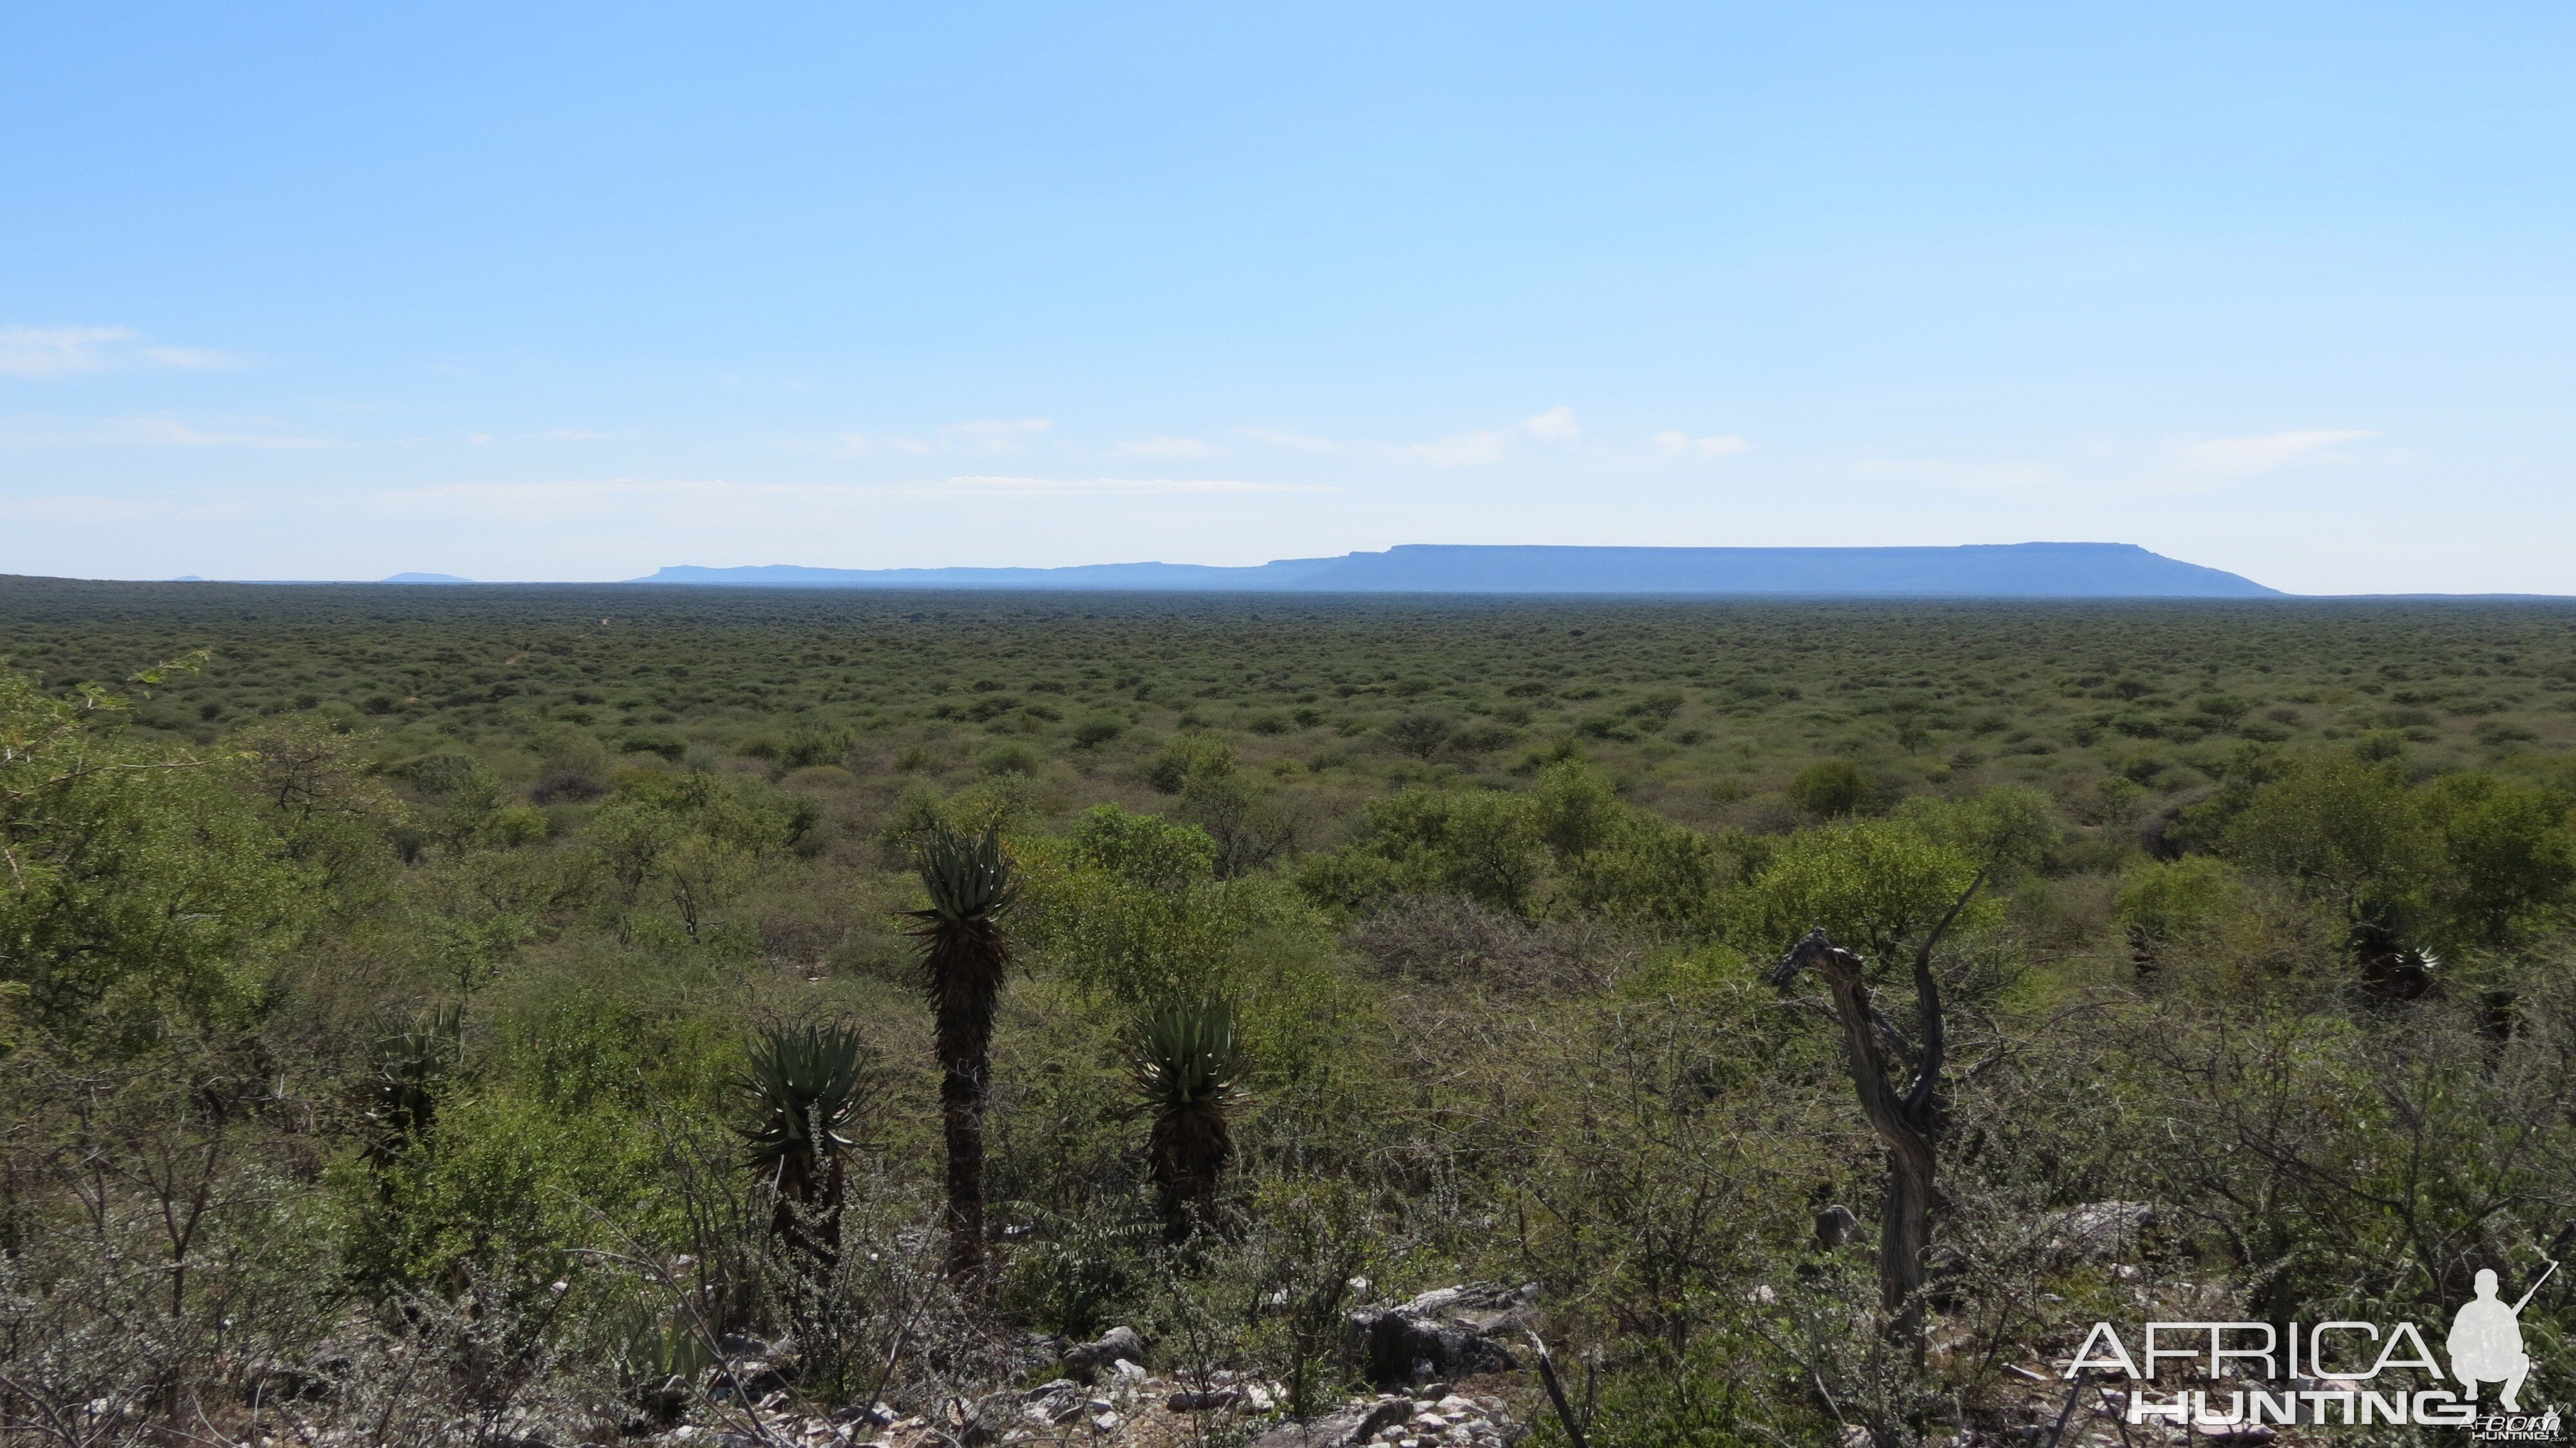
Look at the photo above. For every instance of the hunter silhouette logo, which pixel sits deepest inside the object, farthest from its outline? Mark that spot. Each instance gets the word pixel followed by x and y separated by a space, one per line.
pixel 2338 1373
pixel 2486 1341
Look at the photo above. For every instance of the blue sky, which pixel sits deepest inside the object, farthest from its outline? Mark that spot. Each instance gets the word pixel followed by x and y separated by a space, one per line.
pixel 563 292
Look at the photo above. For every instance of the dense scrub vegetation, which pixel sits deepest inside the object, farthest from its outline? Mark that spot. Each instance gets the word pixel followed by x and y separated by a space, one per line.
pixel 448 1014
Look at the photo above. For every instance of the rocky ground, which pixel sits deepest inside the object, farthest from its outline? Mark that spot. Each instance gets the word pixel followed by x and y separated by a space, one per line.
pixel 1452 1367
pixel 1135 1411
pixel 1441 1356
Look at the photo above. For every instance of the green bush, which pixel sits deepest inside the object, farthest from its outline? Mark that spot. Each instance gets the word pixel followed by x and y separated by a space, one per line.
pixel 1144 849
pixel 503 1190
pixel 1482 844
pixel 1012 758
pixel 142 890
pixel 1874 886
pixel 1832 789
pixel 2170 900
pixel 655 741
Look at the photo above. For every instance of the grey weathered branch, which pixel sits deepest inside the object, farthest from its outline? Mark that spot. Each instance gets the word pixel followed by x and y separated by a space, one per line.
pixel 1907 1121
pixel 1575 1423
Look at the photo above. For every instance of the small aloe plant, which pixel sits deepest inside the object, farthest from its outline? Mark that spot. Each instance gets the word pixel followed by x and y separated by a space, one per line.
pixel 1187 1061
pixel 404 1081
pixel 660 1360
pixel 808 1085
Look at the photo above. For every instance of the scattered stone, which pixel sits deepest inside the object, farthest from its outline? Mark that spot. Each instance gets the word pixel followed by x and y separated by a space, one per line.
pixel 1031 1351
pixel 751 1380
pixel 1388 1413
pixel 2101 1231
pixel 989 1420
pixel 1338 1429
pixel 1441 1335
pixel 1118 1415
pixel 662 1403
pixel 1086 1362
pixel 1834 1226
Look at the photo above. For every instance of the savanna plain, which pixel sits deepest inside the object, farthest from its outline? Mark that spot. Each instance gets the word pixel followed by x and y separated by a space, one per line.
pixel 578 1014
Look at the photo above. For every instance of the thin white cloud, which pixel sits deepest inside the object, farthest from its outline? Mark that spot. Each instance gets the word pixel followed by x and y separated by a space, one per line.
pixel 1554 425
pixel 2103 470
pixel 547 502
pixel 151 432
pixel 986 437
pixel 61 351
pixel 74 509
pixel 170 432
pixel 194 359
pixel 2247 456
pixel 2002 477
pixel 1109 487
pixel 861 445
pixel 997 437
pixel 1283 437
pixel 1679 444
pixel 1483 449
pixel 1468 450
pixel 55 351
pixel 1159 446
pixel 718 502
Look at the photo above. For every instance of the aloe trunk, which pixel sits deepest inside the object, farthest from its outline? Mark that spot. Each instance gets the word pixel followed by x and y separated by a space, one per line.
pixel 964 956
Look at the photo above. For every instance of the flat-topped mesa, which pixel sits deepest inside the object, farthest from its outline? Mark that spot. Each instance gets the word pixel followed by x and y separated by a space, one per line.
pixel 1980 570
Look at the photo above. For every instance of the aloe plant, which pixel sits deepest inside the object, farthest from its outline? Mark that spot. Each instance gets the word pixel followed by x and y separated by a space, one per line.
pixel 659 1360
pixel 1187 1062
pixel 408 1069
pixel 964 956
pixel 808 1085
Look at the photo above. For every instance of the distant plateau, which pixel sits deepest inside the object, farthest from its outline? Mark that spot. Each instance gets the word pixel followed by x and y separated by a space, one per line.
pixel 1987 570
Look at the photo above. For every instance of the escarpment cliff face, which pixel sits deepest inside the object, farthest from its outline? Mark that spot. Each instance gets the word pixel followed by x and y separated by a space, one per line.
pixel 1996 570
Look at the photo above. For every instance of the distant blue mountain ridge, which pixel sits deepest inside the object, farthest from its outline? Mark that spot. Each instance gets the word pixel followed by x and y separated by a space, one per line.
pixel 1979 570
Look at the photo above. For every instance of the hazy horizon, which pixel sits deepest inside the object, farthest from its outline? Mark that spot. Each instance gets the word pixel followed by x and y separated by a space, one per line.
pixel 575 295
pixel 1993 576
